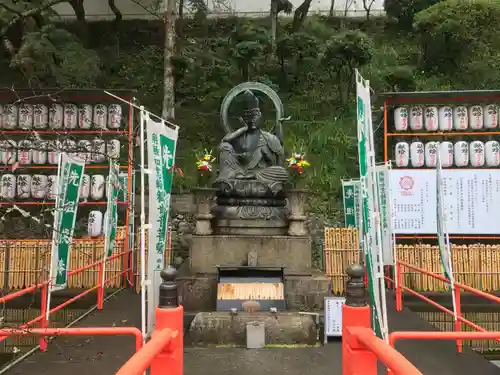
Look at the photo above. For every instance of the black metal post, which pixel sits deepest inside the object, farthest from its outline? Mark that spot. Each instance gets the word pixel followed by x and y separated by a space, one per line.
pixel 169 296
pixel 355 291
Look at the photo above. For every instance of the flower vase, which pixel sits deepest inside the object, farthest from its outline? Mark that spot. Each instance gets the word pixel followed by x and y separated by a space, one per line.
pixel 297 217
pixel 204 198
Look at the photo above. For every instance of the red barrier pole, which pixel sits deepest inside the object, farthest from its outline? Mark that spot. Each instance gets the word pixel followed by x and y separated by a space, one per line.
pixel 458 323
pixel 169 314
pixel 356 313
pixel 100 290
pixel 399 287
pixel 43 313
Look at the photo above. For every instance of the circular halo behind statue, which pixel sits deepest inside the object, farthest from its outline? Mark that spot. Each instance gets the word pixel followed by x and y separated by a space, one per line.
pixel 241 88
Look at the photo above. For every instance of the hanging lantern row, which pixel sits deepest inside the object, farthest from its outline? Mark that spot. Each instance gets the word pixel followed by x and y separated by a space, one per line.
pixel 446 118
pixel 38 186
pixel 461 154
pixel 57 116
pixel 34 152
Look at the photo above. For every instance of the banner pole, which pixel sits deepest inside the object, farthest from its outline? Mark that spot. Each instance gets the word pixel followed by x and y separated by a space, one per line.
pixel 54 236
pixel 143 229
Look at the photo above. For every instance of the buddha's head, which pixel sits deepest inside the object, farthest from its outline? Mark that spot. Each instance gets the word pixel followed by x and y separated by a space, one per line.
pixel 252 115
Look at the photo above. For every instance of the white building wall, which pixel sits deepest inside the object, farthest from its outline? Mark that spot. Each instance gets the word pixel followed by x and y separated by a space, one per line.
pixel 146 9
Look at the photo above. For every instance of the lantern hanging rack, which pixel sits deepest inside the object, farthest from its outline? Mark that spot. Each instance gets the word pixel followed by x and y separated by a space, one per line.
pixel 45 203
pixel 52 166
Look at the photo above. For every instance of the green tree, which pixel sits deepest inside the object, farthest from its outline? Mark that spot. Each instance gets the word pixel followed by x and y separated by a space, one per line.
pixel 455 35
pixel 403 11
pixel 44 53
pixel 344 53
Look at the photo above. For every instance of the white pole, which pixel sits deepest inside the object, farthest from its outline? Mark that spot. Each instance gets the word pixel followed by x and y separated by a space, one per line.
pixel 54 234
pixel 143 230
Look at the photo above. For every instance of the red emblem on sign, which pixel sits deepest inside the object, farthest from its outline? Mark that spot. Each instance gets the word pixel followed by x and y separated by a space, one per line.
pixel 406 183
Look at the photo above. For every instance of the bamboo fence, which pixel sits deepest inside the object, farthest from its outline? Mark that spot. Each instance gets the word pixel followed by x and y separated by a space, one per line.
pixel 490 321
pixel 475 265
pixel 26 262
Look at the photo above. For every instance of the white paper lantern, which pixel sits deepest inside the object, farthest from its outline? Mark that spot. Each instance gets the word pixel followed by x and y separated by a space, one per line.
pixel 85 116
pixel 8 186
pixel 10 116
pixel 476 117
pixel 8 150
pixel 40 116
pixel 40 152
pixel 461 154
pixel 431 118
pixel 97 186
pixel 445 118
pixel 85 187
pixel 70 116
pixel 113 148
pixel 402 154
pixel 23 183
pixel 417 152
pixel 52 187
pixel 25 152
pixel 460 118
pixel 490 116
pixel 401 119
pixel 95 223
pixel 114 116
pixel 492 153
pixel 431 150
pixel 25 116
pixel 100 116
pixel 98 150
pixel 416 118
pixel 53 154
pixel 476 154
pixel 39 185
pixel 68 146
pixel 446 154
pixel 56 116
pixel 84 150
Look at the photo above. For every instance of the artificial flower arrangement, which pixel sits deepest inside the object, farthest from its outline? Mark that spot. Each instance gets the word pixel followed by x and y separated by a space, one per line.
pixel 297 162
pixel 204 165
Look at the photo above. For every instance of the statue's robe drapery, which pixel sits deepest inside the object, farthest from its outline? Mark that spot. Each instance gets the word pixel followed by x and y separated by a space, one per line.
pixel 263 163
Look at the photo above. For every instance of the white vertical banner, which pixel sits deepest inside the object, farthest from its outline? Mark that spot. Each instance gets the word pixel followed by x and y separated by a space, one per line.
pixel 161 147
pixel 442 232
pixel 384 191
pixel 370 215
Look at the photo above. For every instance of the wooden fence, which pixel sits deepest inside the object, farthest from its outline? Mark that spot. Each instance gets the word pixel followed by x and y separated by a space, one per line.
pixel 475 265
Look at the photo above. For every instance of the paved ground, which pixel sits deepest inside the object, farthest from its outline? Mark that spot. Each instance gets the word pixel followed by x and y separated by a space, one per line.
pixel 89 355
pixel 301 361
pixel 434 357
pixel 104 355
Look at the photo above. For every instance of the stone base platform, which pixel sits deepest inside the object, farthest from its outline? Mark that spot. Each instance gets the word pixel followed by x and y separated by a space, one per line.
pixel 208 252
pixel 199 293
pixel 220 328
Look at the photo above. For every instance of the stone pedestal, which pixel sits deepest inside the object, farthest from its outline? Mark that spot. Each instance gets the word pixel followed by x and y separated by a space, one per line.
pixel 297 217
pixel 199 293
pixel 204 199
pixel 208 252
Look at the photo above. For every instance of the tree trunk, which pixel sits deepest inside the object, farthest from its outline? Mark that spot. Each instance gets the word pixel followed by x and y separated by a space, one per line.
pixel 79 10
pixel 300 15
pixel 170 14
pixel 332 8
pixel 274 22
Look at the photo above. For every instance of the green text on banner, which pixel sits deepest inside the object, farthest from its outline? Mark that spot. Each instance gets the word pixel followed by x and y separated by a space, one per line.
pixel 68 193
pixel 369 216
pixel 350 190
pixel 161 146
